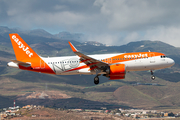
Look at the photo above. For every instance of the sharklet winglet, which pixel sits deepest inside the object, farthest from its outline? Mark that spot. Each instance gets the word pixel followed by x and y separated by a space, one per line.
pixel 72 47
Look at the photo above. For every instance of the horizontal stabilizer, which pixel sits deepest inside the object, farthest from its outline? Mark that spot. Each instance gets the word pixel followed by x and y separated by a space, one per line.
pixel 21 63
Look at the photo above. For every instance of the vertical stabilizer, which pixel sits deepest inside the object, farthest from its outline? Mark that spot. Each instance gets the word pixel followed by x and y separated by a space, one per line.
pixel 26 58
pixel 22 50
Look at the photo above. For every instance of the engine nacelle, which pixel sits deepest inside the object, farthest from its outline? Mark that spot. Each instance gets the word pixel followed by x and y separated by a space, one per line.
pixel 117 71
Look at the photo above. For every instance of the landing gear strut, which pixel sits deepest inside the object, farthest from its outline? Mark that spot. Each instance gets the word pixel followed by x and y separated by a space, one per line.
pixel 96 80
pixel 152 77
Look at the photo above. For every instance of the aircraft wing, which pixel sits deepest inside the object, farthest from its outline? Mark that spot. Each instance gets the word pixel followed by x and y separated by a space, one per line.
pixel 94 64
pixel 21 63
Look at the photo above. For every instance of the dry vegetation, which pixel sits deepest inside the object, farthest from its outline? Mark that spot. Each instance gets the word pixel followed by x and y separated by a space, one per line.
pixel 51 114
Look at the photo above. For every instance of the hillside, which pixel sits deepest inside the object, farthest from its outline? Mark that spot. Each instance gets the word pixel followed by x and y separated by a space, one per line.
pixel 52 114
pixel 137 90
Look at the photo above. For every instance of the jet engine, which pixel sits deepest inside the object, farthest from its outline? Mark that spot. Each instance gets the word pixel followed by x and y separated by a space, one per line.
pixel 116 71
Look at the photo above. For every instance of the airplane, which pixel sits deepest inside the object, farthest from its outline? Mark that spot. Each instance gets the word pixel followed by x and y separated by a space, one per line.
pixel 114 66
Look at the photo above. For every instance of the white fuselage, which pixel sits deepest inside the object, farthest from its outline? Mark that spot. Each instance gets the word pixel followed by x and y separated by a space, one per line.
pixel 113 66
pixel 62 65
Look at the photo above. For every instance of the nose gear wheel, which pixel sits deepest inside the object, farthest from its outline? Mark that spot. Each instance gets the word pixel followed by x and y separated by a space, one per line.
pixel 152 77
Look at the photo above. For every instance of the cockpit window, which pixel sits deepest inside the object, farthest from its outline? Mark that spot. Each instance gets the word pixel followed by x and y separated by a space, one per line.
pixel 163 56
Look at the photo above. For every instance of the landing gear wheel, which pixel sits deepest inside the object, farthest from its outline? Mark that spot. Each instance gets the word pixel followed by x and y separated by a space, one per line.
pixel 96 80
pixel 153 77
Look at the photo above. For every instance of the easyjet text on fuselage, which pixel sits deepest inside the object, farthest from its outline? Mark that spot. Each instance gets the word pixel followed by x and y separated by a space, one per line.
pixel 136 55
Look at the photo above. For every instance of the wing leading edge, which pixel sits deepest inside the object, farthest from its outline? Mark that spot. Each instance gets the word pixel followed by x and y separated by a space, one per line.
pixel 94 64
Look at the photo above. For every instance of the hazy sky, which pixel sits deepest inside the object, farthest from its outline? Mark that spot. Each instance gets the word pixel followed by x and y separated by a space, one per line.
pixel 113 22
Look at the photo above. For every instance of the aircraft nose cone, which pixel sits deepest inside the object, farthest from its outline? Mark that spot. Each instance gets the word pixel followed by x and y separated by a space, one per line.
pixel 171 62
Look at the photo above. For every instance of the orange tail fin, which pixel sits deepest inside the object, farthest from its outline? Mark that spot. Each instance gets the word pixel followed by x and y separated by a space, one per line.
pixel 22 50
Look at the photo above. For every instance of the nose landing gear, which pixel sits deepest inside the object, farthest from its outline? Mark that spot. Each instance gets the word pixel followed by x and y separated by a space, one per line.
pixel 152 77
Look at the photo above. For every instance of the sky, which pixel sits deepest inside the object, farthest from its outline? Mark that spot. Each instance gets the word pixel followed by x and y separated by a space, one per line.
pixel 112 22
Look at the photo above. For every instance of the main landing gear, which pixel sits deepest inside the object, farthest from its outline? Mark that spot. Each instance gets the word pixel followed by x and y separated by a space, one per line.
pixel 152 77
pixel 96 80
